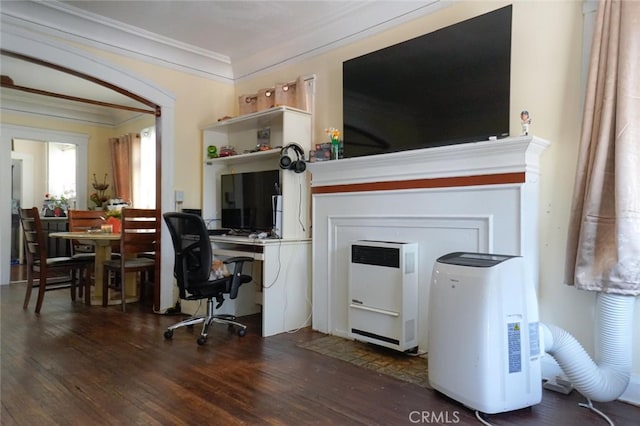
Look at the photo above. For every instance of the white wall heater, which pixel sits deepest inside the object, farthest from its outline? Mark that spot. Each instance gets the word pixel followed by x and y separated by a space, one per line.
pixel 383 293
pixel 484 335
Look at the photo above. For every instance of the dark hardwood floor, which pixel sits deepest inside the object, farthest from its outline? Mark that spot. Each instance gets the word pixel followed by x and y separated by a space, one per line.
pixel 78 365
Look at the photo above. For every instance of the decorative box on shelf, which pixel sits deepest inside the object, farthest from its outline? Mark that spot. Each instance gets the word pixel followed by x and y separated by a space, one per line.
pixel 323 152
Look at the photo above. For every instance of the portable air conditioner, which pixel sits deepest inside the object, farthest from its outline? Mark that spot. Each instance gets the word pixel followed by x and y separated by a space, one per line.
pixel 383 293
pixel 484 341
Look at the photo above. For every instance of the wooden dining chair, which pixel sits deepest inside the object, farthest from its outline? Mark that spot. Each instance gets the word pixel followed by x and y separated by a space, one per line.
pixel 45 273
pixel 83 221
pixel 139 235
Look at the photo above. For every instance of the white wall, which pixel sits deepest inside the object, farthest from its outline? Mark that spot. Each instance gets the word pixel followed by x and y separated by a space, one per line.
pixel 546 79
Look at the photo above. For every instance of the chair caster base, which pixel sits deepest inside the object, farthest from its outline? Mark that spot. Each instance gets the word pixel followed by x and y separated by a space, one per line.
pixel 189 323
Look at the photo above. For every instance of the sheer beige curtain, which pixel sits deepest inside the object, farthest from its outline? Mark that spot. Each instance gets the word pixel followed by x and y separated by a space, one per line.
pixel 122 150
pixel 603 248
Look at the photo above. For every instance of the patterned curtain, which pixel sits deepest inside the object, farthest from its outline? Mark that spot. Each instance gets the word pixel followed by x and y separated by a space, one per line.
pixel 603 248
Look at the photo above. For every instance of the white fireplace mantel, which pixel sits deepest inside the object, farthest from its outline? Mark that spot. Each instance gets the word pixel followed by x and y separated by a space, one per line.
pixel 515 154
pixel 480 196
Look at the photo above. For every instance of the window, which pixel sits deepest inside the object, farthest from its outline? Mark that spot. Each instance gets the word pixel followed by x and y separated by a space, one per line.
pixel 144 170
pixel 61 170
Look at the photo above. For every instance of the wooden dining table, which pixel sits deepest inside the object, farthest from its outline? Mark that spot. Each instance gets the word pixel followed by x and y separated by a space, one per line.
pixel 102 242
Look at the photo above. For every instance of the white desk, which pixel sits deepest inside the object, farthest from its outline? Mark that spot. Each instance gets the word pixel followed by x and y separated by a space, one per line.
pixel 281 286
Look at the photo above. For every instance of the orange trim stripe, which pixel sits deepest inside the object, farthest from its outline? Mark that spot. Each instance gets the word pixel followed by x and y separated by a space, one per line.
pixel 446 182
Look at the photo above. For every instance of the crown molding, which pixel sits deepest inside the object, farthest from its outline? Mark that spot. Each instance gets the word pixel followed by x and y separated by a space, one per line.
pixel 344 30
pixel 56 19
pixel 59 20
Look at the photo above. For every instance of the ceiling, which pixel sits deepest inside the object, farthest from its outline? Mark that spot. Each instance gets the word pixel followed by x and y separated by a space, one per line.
pixel 227 40
pixel 235 29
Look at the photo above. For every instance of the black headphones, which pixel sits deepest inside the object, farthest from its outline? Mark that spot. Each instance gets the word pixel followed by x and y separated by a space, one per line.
pixel 287 163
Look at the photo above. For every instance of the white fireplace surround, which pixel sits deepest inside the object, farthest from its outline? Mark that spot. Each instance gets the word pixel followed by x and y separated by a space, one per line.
pixel 479 197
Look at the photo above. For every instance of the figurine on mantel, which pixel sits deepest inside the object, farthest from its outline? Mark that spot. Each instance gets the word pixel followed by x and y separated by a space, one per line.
pixel 525 121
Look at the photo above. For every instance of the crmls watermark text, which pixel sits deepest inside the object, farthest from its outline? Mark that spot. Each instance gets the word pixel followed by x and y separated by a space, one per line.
pixel 434 417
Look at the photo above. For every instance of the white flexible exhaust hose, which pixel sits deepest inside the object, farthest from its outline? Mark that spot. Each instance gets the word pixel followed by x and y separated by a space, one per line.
pixel 609 378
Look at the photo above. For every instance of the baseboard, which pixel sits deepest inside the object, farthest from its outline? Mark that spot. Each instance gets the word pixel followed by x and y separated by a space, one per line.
pixel 631 395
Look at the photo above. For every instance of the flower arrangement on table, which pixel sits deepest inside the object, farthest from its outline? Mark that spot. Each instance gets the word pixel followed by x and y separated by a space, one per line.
pixel 113 213
pixel 114 218
pixel 334 137
pixel 100 196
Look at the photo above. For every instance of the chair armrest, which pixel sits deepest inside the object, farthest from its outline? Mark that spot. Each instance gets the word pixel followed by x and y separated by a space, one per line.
pixel 237 279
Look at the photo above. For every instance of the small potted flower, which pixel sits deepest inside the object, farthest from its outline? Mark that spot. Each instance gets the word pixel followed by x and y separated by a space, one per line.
pixel 334 137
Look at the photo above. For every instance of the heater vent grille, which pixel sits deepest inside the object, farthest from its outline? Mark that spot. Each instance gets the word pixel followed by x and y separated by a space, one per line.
pixel 378 256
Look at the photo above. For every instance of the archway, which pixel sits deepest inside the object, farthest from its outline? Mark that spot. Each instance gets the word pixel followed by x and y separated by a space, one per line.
pixel 34 46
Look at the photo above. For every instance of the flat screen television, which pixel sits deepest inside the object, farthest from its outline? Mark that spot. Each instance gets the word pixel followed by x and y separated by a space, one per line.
pixel 246 200
pixel 445 87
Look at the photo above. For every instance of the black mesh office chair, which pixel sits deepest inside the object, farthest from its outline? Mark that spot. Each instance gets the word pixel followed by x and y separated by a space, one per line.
pixel 192 270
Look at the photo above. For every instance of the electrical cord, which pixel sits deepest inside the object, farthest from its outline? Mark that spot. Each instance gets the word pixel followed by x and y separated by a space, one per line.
pixel 483 421
pixel 173 310
pixel 275 280
pixel 286 305
pixel 590 406
pixel 295 330
pixel 210 221
pixel 198 308
pixel 300 209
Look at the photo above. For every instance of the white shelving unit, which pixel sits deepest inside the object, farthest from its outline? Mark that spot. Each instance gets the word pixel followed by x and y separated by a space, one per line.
pixel 287 125
pixel 281 290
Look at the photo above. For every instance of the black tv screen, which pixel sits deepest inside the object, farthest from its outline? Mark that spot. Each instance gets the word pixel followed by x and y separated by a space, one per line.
pixel 246 200
pixel 446 87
